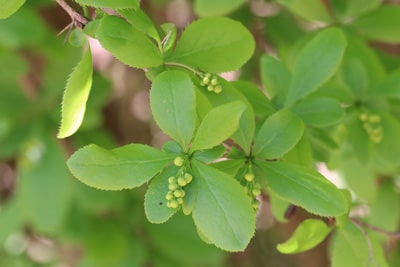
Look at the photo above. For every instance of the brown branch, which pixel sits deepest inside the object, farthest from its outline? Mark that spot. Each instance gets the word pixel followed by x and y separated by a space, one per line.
pixel 77 19
pixel 393 235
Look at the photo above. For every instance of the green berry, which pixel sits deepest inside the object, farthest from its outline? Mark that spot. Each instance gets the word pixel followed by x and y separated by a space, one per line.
pixel 214 81
pixel 174 204
pixel 249 177
pixel 210 88
pixel 179 193
pixel 206 80
pixel 363 117
pixel 180 200
pixel 169 196
pixel 188 178
pixel 172 180
pixel 182 181
pixel 256 205
pixel 256 192
pixel 172 187
pixel 374 119
pixel 178 161
pixel 218 89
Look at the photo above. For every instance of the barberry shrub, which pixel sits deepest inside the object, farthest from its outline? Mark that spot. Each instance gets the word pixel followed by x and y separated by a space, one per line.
pixel 325 92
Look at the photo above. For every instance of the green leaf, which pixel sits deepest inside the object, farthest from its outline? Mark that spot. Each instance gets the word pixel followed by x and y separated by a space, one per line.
pixel 278 134
pixel 230 166
pixel 215 8
pixel 314 10
pixel 116 4
pixel 350 247
pixel 260 104
pixel 279 207
pixel 139 19
pixel 360 50
pixel 360 141
pixel 75 96
pixel 352 8
pixel 380 24
pixel 353 74
pixel 354 171
pixel 275 78
pixel 390 87
pixel 155 203
pixel 214 44
pixel 128 44
pixel 173 104
pixel 121 168
pixel 222 212
pixel 9 7
pixel 218 125
pixel 307 235
pixel 319 111
pixel 210 154
pixel 304 187
pixel 243 136
pixel 389 147
pixel 302 153
pixel 169 38
pixel 384 211
pixel 316 63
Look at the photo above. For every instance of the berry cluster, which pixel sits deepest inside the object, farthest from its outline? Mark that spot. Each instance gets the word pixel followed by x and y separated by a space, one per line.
pixel 176 191
pixel 211 83
pixel 372 125
pixel 252 189
pixel 177 184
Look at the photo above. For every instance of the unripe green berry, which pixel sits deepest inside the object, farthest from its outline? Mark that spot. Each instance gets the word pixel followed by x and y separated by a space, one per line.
pixel 374 119
pixel 174 204
pixel 178 161
pixel 363 117
pixel 172 187
pixel 169 204
pixel 256 205
pixel 218 89
pixel 182 181
pixel 180 200
pixel 188 178
pixel 206 80
pixel 210 88
pixel 249 177
pixel 214 81
pixel 169 196
pixel 179 193
pixel 172 180
pixel 256 192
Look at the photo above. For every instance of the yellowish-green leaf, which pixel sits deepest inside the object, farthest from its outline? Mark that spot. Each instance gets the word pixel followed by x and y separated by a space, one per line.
pixel 121 168
pixel 128 44
pixel 304 187
pixel 9 7
pixel 76 95
pixel 307 235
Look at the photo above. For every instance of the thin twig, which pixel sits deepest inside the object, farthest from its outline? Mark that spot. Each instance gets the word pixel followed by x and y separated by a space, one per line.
pixel 77 19
pixel 393 235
